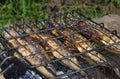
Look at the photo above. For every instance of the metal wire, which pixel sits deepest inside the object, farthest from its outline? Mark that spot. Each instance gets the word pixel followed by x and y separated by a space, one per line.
pixel 59 22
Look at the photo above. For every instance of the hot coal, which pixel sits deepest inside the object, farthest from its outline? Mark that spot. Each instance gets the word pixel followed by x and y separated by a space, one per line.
pixel 15 71
pixel 30 74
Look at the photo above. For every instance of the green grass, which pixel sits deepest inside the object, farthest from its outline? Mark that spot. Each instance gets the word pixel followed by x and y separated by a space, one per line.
pixel 87 11
pixel 14 11
pixel 116 2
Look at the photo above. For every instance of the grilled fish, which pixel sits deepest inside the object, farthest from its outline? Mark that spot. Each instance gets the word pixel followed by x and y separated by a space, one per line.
pixel 57 50
pixel 74 24
pixel 52 44
pixel 100 35
pixel 27 50
pixel 81 44
pixel 79 39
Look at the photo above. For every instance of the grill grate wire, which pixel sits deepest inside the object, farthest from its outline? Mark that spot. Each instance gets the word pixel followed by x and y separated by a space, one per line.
pixel 46 26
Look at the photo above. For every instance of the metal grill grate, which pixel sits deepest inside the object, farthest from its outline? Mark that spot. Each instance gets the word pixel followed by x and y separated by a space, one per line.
pixel 65 46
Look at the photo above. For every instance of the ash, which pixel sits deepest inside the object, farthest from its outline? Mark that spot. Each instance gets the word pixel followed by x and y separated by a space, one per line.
pixel 60 72
pixel 30 75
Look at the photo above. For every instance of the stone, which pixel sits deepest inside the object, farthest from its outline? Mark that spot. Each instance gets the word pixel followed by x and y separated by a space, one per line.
pixel 112 22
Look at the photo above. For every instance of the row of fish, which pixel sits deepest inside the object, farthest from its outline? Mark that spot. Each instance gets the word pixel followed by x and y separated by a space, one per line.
pixel 35 47
pixel 98 34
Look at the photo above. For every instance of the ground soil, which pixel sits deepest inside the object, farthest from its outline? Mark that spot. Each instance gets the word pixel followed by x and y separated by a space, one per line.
pixel 53 6
pixel 110 21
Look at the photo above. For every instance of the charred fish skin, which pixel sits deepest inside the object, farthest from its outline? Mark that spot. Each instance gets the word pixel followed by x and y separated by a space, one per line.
pixel 108 38
pixel 57 50
pixel 25 52
pixel 101 35
pixel 41 52
pixel 81 44
pixel 58 53
pixel 66 33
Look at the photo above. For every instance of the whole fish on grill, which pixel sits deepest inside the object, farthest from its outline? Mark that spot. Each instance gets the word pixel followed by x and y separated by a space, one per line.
pixel 57 50
pixel 100 35
pixel 26 50
pixel 95 56
pixel 81 43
